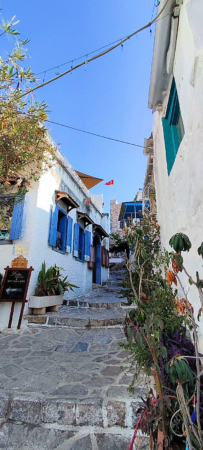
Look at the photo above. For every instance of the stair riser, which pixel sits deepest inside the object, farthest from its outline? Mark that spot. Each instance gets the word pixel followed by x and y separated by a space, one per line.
pixel 73 323
pixel 68 412
pixel 105 305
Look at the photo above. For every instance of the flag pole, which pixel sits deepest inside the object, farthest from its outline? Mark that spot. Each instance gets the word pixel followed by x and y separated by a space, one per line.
pixel 114 189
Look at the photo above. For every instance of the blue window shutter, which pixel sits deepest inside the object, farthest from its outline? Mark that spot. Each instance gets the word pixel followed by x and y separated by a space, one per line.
pixel 53 229
pixel 87 245
pixel 69 234
pixel 16 222
pixel 76 239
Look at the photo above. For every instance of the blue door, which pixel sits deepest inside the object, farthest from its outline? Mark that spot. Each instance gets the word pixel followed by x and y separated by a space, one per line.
pixel 97 268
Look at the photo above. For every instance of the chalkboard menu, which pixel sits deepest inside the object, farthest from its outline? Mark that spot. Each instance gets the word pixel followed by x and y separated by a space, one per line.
pixel 14 289
pixel 15 285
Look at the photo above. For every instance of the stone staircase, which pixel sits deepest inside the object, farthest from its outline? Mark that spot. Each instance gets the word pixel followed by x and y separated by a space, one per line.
pixel 64 383
pixel 82 311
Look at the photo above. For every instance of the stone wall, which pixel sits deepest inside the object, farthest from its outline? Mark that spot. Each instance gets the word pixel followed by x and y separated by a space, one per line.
pixel 115 211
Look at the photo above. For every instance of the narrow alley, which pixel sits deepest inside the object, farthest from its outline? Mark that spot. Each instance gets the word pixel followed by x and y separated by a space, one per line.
pixel 64 379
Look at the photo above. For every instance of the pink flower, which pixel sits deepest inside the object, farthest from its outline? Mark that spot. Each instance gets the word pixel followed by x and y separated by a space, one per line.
pixel 17 153
pixel 23 135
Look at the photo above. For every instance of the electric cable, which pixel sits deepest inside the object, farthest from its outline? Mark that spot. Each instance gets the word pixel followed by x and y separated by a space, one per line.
pixel 90 53
pixel 96 56
pixel 97 135
pixel 79 57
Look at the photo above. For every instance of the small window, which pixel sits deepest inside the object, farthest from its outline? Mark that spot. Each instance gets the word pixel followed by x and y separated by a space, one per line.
pixel 173 127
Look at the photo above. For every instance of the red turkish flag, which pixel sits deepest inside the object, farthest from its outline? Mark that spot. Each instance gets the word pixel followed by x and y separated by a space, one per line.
pixel 109 182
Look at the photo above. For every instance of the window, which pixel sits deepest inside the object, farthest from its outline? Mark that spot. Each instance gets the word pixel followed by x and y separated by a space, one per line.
pixel 82 243
pixel 173 127
pixel 13 231
pixel 60 235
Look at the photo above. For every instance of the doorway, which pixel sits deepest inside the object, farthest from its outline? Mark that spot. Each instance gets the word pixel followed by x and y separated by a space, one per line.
pixel 97 267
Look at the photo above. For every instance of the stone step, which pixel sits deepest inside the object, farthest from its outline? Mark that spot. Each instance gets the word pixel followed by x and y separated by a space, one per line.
pixel 67 389
pixel 114 288
pixel 71 316
pixel 105 301
pixel 26 437
pixel 72 410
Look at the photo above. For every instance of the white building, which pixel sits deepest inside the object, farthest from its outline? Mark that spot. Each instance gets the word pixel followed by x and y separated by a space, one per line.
pixel 59 222
pixel 176 98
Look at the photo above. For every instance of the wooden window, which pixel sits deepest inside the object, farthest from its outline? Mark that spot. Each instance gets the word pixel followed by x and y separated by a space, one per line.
pixel 91 263
pixel 173 127
pixel 105 257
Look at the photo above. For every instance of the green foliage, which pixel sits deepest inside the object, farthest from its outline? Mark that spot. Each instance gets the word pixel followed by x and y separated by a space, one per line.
pixel 120 244
pixel 200 250
pixel 51 282
pixel 180 242
pixel 180 371
pixel 25 148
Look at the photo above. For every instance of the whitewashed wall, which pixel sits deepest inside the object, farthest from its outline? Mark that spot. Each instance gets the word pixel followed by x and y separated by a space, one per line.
pixel 35 231
pixel 180 195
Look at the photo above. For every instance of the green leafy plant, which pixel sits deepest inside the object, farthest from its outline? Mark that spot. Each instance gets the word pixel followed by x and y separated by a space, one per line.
pixel 25 148
pixel 180 242
pixel 150 283
pixel 51 282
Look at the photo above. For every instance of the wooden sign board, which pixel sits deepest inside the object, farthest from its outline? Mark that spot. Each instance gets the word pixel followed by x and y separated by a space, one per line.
pixel 14 289
pixel 20 261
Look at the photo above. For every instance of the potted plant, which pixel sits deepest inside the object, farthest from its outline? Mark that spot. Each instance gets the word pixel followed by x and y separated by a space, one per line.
pixel 51 286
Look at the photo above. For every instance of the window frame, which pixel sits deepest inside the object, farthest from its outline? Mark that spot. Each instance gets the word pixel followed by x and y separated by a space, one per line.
pixel 173 127
pixel 53 228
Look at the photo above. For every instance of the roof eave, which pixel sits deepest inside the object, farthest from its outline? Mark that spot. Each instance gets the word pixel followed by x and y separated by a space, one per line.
pixel 159 76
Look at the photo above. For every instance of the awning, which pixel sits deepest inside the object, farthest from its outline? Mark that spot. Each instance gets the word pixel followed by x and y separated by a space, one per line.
pixel 88 180
pixel 100 230
pixel 66 199
pixel 87 219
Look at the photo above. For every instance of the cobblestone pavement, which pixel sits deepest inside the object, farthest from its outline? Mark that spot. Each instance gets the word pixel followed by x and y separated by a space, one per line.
pixel 67 388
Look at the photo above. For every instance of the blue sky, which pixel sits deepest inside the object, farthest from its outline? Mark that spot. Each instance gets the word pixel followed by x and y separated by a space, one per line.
pixel 109 96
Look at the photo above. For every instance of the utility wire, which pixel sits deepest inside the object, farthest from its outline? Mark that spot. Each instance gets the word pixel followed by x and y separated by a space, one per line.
pixel 90 53
pixel 97 135
pixel 79 57
pixel 96 56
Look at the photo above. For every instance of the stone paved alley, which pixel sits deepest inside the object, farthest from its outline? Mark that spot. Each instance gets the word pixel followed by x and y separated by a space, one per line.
pixel 64 385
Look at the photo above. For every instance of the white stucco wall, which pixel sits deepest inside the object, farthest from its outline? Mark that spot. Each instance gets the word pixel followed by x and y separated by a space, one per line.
pixel 180 195
pixel 35 231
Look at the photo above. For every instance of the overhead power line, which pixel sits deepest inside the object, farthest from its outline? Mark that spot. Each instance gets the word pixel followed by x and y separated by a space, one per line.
pixel 96 56
pixel 79 57
pixel 89 53
pixel 97 135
